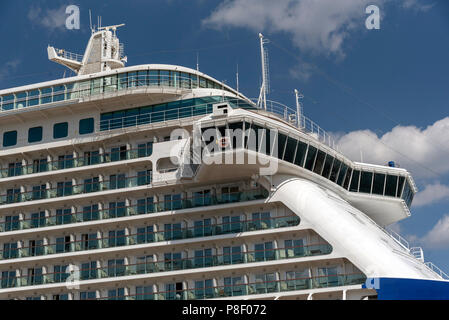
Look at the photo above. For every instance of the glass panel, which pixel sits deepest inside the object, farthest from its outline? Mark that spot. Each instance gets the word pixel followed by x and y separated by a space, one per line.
pixel 390 188
pixel 341 175
pixel 379 182
pixel 319 162
pixel 335 170
pixel 300 154
pixel 310 159
pixel 10 138
pixel 400 186
pixel 348 177
pixel 327 166
pixel 282 138
pixel 290 150
pixel 60 130
pixel 355 181
pixel 366 181
pixel 86 126
pixel 35 134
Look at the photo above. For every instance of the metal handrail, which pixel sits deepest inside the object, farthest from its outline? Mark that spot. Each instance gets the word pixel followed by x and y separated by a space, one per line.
pixel 69 55
pixel 437 270
pixel 305 124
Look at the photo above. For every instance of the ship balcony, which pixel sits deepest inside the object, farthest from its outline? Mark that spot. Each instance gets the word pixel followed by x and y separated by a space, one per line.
pixel 94 158
pixel 13 251
pixel 67 188
pixel 248 289
pixel 167 265
pixel 11 225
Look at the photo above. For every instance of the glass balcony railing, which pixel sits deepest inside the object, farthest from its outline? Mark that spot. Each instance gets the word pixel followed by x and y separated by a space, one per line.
pixel 67 189
pixel 171 265
pixel 254 288
pixel 72 162
pixel 40 249
pixel 131 210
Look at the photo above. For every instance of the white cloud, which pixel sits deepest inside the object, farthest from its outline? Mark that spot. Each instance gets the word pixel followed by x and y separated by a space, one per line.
pixel 420 151
pixel 438 236
pixel 318 26
pixel 8 67
pixel 432 193
pixel 414 4
pixel 52 19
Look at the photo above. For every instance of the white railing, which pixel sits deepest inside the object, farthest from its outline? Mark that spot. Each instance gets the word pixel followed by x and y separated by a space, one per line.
pixel 69 55
pixel 303 123
pixel 418 253
pixel 437 270
pixel 398 238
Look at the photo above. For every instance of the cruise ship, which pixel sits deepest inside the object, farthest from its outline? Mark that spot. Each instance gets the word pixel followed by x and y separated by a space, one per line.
pixel 158 182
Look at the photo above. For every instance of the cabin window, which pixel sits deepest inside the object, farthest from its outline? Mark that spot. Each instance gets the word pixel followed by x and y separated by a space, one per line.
pixel 290 150
pixel 60 130
pixel 86 126
pixel 35 134
pixel 10 138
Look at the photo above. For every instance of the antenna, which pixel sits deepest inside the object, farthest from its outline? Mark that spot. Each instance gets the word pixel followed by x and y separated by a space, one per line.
pixel 264 89
pixel 298 108
pixel 197 61
pixel 90 21
pixel 237 77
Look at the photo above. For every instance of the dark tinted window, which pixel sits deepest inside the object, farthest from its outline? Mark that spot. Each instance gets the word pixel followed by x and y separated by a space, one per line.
pixel 335 170
pixel 35 134
pixel 310 159
pixel 400 186
pixel 86 126
pixel 300 154
pixel 379 182
pixel 327 166
pixel 341 175
pixel 60 130
pixel 319 162
pixel 281 145
pixel 355 181
pixel 10 138
pixel 348 177
pixel 290 150
pixel 365 182
pixel 390 188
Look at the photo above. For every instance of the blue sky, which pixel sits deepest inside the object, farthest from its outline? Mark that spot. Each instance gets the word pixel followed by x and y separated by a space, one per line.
pixel 382 92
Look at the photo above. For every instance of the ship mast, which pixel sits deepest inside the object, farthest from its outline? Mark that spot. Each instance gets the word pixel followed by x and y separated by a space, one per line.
pixel 264 89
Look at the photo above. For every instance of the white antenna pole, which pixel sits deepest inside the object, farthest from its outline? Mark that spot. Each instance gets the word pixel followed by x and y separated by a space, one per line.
pixel 90 21
pixel 298 108
pixel 264 81
pixel 264 88
pixel 197 61
pixel 237 77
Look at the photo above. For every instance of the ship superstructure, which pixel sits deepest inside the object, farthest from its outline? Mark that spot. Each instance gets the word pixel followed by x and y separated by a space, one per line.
pixel 159 182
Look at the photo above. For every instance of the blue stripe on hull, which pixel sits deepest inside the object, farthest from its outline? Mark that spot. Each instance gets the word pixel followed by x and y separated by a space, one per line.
pixel 408 289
